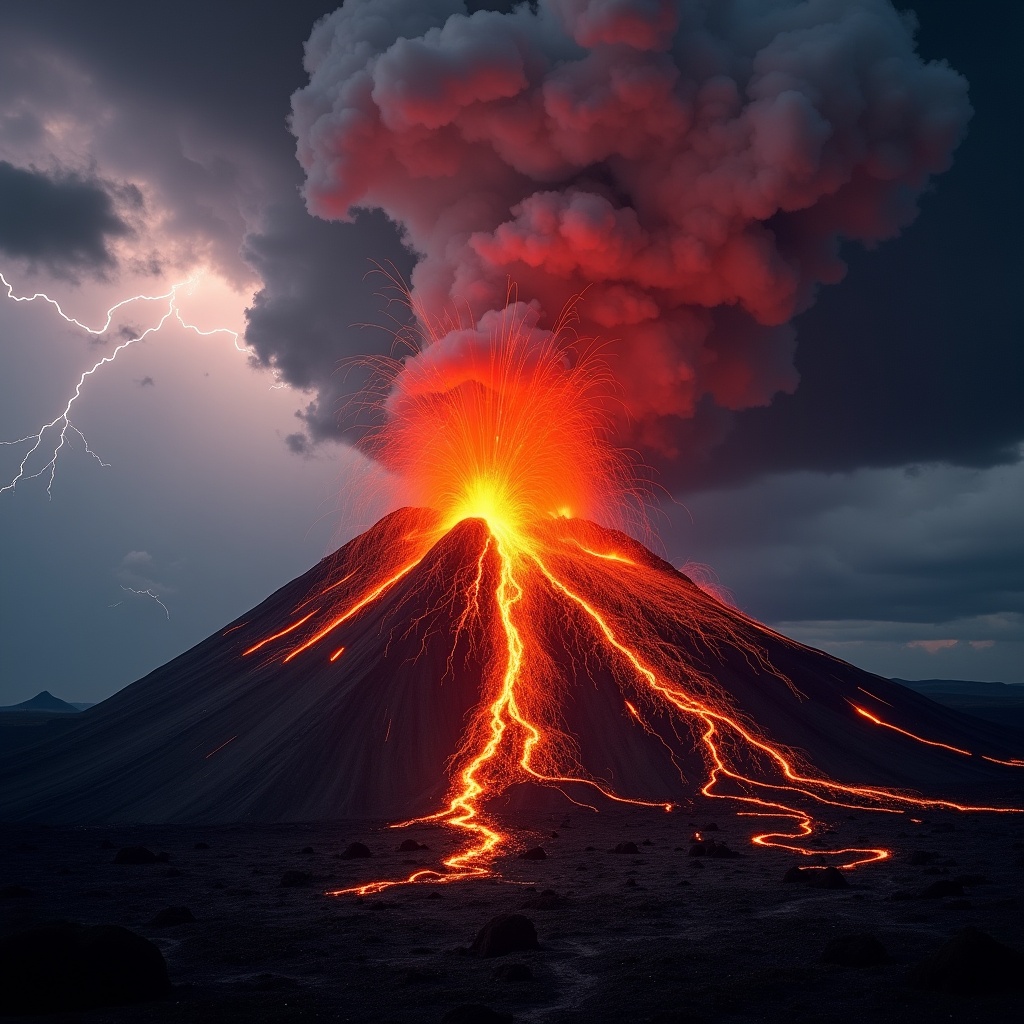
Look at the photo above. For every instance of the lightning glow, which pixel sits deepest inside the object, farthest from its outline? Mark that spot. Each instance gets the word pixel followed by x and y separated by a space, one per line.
pixel 42 450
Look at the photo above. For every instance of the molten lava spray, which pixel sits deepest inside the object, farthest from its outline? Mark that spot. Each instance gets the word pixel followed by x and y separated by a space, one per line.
pixel 688 169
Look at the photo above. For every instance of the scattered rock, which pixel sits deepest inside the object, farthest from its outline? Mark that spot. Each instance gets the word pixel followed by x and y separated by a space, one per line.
pixel 548 899
pixel 711 827
pixel 970 963
pixel 171 916
pixel 295 879
pixel 67 966
pixel 855 951
pixel 411 846
pixel 536 853
pixel 135 855
pixel 307 850
pixel 354 850
pixel 711 848
pixel 201 846
pixel 817 878
pixel 513 972
pixel 631 882
pixel 506 933
pixel 921 857
pixel 941 889
pixel 474 1013
pixel 828 878
pixel 14 892
pixel 626 848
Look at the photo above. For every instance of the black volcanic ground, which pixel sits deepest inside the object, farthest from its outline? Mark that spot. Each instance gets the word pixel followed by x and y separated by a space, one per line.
pixel 654 933
pixel 656 936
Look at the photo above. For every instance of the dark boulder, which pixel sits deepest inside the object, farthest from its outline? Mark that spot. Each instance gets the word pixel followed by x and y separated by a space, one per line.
pixel 506 933
pixel 855 951
pixel 828 878
pixel 536 853
pixel 411 846
pixel 970 963
pixel 354 850
pixel 626 848
pixel 66 966
pixel 14 892
pixel 711 848
pixel 296 879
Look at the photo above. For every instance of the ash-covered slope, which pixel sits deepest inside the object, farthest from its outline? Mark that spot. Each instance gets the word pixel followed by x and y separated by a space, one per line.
pixel 371 718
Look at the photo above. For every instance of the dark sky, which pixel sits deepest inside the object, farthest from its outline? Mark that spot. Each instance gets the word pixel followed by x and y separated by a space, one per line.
pixel 874 512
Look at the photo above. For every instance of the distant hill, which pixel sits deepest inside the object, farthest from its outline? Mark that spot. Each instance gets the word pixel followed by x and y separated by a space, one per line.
pixel 995 702
pixel 933 687
pixel 45 701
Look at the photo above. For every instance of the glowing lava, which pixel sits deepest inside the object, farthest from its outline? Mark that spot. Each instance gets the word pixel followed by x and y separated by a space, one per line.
pixel 510 438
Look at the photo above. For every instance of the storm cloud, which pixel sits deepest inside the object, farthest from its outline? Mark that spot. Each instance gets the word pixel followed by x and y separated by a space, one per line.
pixel 65 222
pixel 691 171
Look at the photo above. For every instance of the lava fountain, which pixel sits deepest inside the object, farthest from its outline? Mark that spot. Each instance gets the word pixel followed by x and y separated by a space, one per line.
pixel 511 436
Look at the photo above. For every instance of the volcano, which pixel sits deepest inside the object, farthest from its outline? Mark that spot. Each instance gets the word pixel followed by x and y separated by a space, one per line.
pixel 421 671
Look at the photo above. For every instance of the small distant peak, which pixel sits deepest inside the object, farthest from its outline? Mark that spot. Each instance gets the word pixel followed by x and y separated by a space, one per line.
pixel 43 701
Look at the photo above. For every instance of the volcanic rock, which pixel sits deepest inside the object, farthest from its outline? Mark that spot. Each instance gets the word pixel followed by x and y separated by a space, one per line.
pixel 855 951
pixel 970 963
pixel 354 850
pixel 201 846
pixel 296 879
pixel 14 892
pixel 135 855
pixel 828 878
pixel 171 916
pixel 474 1013
pixel 67 966
pixel 796 874
pixel 270 983
pixel 411 846
pixel 307 851
pixel 626 848
pixel 710 848
pixel 536 853
pixel 921 857
pixel 506 933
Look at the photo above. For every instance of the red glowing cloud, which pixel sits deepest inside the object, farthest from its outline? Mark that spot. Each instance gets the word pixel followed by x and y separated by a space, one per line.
pixel 690 169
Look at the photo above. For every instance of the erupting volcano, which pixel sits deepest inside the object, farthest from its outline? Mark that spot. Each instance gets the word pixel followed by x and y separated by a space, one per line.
pixel 495 636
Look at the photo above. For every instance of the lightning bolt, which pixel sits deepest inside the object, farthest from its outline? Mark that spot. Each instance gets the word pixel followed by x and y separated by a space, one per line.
pixel 48 442
pixel 145 593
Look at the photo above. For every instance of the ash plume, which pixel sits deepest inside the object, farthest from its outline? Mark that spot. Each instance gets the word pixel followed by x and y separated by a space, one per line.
pixel 691 168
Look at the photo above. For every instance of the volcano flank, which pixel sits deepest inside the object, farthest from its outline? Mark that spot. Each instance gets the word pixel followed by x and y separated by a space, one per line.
pixel 420 672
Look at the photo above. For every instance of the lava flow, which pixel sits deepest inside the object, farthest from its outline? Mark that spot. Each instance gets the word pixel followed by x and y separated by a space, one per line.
pixel 568 618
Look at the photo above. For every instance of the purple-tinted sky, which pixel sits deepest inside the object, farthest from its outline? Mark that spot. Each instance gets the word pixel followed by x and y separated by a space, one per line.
pixel 875 512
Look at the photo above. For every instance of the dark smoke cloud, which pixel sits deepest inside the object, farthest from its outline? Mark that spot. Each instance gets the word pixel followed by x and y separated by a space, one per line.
pixel 692 168
pixel 64 222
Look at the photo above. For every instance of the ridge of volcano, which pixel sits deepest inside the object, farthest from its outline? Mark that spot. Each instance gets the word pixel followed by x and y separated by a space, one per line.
pixel 362 691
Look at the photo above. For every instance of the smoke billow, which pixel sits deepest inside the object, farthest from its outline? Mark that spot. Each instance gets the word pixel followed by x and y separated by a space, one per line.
pixel 690 167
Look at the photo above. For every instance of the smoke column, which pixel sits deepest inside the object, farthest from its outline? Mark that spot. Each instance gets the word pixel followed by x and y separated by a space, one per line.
pixel 690 167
